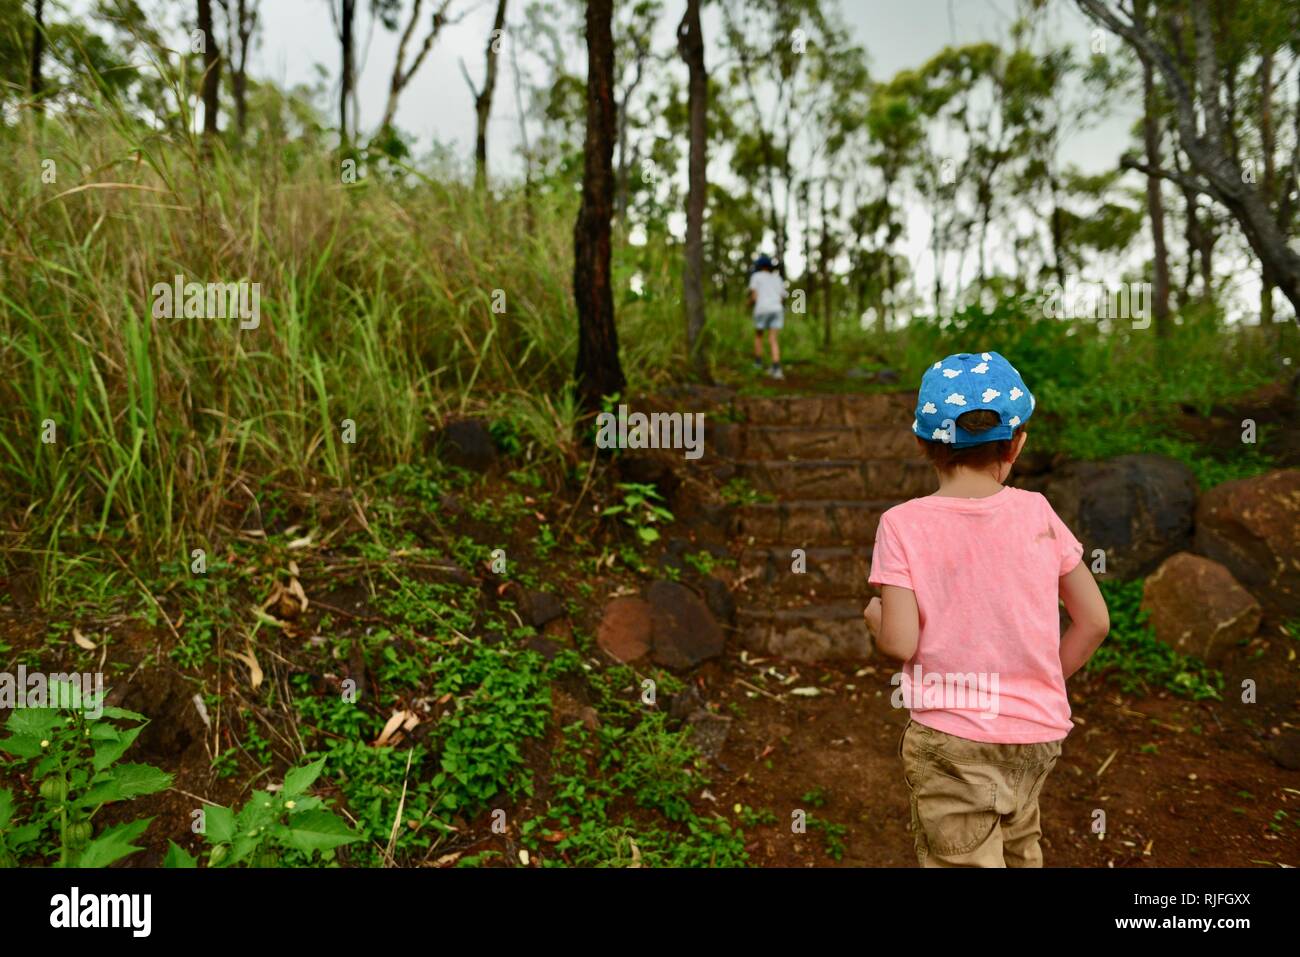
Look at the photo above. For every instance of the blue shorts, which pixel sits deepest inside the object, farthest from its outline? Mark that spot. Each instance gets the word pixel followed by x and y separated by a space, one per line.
pixel 768 320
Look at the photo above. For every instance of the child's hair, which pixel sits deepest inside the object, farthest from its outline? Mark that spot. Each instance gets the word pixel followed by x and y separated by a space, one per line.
pixel 946 457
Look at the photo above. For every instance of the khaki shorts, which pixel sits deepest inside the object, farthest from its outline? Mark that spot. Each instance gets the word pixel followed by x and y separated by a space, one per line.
pixel 974 804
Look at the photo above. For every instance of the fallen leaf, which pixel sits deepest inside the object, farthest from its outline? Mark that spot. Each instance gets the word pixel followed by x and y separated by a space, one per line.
pixel 399 721
pixel 254 669
pixel 202 709
pixel 82 641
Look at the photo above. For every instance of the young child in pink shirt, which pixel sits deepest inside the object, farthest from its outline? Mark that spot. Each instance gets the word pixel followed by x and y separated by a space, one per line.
pixel 970 579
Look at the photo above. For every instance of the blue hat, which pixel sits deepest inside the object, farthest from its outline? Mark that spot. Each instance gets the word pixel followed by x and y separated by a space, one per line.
pixel 968 381
pixel 763 262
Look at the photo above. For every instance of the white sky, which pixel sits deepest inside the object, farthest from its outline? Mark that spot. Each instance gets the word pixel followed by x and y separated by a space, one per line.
pixel 296 41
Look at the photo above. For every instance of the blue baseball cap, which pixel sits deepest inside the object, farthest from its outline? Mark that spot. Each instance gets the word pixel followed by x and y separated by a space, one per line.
pixel 763 262
pixel 964 382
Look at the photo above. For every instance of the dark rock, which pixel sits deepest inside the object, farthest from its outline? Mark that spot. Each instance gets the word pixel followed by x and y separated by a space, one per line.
pixel 625 628
pixel 544 646
pixel 645 468
pixel 1198 608
pixel 1285 750
pixel 720 601
pixel 684 632
pixel 887 376
pixel 685 703
pixel 708 732
pixel 1137 508
pixel 542 607
pixel 722 439
pixel 468 444
pixel 1253 527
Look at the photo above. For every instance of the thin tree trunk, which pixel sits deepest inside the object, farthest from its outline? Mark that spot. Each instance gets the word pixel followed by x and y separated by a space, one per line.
pixel 1155 201
pixel 211 70
pixel 597 372
pixel 690 42
pixel 483 97
pixel 1267 144
pixel 38 53
pixel 347 23
pixel 1219 176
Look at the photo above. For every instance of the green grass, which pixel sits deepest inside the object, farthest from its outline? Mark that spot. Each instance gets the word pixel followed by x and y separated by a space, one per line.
pixel 1135 660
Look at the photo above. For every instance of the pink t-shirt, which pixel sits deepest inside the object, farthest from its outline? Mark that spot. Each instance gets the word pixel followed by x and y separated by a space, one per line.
pixel 985 572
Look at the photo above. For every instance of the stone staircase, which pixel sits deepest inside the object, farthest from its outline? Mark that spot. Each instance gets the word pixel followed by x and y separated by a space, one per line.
pixel 832 465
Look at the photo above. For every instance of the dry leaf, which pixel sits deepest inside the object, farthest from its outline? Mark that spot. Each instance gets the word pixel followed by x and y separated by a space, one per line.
pixel 304 542
pixel 399 721
pixel 295 589
pixel 255 670
pixel 82 641
pixel 636 854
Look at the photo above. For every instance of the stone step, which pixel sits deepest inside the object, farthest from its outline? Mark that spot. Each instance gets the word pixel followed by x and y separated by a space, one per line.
pixel 870 479
pixel 811 521
pixel 807 633
pixel 758 442
pixel 878 410
pixel 826 571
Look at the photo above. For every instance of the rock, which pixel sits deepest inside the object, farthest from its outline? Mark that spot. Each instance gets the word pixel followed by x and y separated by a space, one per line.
pixel 708 732
pixel 541 608
pixel 717 595
pixel 625 628
pixel 887 376
pixel 1138 508
pixel 1198 608
pixel 468 444
pixel 1285 750
pixel 544 646
pixel 684 632
pixel 1253 527
pixel 566 709
pixel 685 703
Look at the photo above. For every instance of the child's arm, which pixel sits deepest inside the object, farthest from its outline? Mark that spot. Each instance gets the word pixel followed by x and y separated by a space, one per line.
pixel 1089 619
pixel 895 621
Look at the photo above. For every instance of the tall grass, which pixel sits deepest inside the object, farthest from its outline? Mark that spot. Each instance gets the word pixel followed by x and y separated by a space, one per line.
pixel 393 302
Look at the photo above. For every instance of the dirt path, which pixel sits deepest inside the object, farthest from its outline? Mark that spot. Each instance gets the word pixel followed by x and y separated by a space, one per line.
pixel 1180 783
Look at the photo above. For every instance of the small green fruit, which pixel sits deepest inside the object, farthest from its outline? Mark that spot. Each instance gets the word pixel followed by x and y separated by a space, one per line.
pixel 55 788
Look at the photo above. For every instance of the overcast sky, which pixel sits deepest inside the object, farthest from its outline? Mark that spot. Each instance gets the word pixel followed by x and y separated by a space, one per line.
pixel 297 42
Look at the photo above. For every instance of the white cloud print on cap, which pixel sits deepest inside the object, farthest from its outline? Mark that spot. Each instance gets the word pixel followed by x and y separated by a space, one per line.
pixel 964 382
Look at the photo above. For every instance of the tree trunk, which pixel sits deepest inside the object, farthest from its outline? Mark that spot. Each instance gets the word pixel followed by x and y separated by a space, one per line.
pixel 483 98
pixel 597 372
pixel 211 70
pixel 690 42
pixel 1218 175
pixel 38 53
pixel 1155 202
pixel 347 19
pixel 1267 139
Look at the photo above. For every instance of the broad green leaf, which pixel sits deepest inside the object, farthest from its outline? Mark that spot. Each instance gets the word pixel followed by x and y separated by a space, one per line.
pixel 106 752
pixel 219 825
pixel 300 779
pixel 125 781
pixel 177 856
pixel 6 807
pixel 38 723
pixel 113 845
pixel 124 714
pixel 318 831
pixel 22 746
